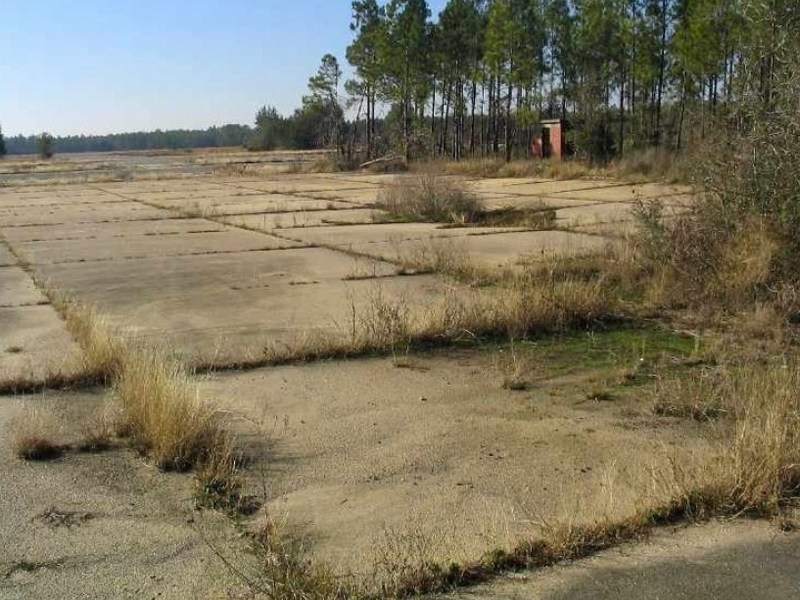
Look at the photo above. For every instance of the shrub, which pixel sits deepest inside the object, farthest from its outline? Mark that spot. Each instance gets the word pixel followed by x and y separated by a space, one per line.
pixel 430 197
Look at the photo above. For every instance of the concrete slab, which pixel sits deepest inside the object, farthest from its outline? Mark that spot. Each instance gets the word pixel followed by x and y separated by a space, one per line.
pixel 540 187
pixel 290 184
pixel 35 344
pixel 102 525
pixel 438 456
pixel 143 246
pixel 270 221
pixel 360 197
pixel 227 307
pixel 229 202
pixel 347 236
pixel 109 231
pixel 526 202
pixel 81 213
pixel 611 212
pixel 17 288
pixel 716 561
pixel 494 250
pixel 30 201
pixel 6 258
pixel 627 193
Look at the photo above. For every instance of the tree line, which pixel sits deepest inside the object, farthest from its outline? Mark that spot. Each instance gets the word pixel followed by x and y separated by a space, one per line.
pixel 213 137
pixel 476 81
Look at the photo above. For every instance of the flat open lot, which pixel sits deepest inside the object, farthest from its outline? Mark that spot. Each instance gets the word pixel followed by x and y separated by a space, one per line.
pixel 428 450
pixel 220 267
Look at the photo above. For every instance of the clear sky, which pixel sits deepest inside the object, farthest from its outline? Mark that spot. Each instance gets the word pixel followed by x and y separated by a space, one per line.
pixel 103 66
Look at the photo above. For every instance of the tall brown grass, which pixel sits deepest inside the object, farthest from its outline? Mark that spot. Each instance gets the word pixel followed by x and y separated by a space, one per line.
pixel 428 196
pixel 160 408
pixel 162 411
pixel 762 464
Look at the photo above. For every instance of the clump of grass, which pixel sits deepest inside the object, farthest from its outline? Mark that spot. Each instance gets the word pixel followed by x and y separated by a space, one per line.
pixel 698 396
pixel 404 565
pixel 97 433
pixel 36 447
pixel 218 483
pixel 513 368
pixel 166 418
pixel 34 436
pixel 538 218
pixel 764 459
pixel 332 163
pixel 430 197
pixel 286 573
pixel 102 349
pixel 652 164
pixel 437 255
pixel 758 466
pixel 160 409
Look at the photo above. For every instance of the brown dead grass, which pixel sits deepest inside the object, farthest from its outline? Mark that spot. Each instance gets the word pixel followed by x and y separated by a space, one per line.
pixel 160 409
pixel 648 165
pixel 163 413
pixel 430 197
pixel 34 436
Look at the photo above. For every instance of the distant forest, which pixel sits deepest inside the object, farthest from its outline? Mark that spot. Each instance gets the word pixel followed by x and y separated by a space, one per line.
pixel 213 137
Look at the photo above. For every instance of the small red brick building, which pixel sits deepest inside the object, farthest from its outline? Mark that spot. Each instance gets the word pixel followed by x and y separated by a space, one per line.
pixel 553 145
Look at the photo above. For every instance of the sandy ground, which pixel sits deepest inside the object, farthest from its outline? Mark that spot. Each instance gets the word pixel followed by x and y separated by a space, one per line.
pixel 365 454
pixel 104 525
pixel 717 561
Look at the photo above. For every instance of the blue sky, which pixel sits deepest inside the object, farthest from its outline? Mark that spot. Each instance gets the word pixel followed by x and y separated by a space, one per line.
pixel 102 66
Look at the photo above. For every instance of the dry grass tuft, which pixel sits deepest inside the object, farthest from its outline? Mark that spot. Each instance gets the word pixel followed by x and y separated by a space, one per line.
pixel 758 464
pixel 98 432
pixel 165 416
pixel 651 164
pixel 495 168
pixel 286 573
pixel 102 348
pixel 436 255
pixel 699 396
pixel 218 483
pixel 428 196
pixel 160 408
pixel 764 460
pixel 34 436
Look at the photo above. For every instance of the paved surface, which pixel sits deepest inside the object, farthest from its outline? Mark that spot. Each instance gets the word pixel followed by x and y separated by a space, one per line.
pixel 435 454
pixel 221 267
pixel 718 561
pixel 102 525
